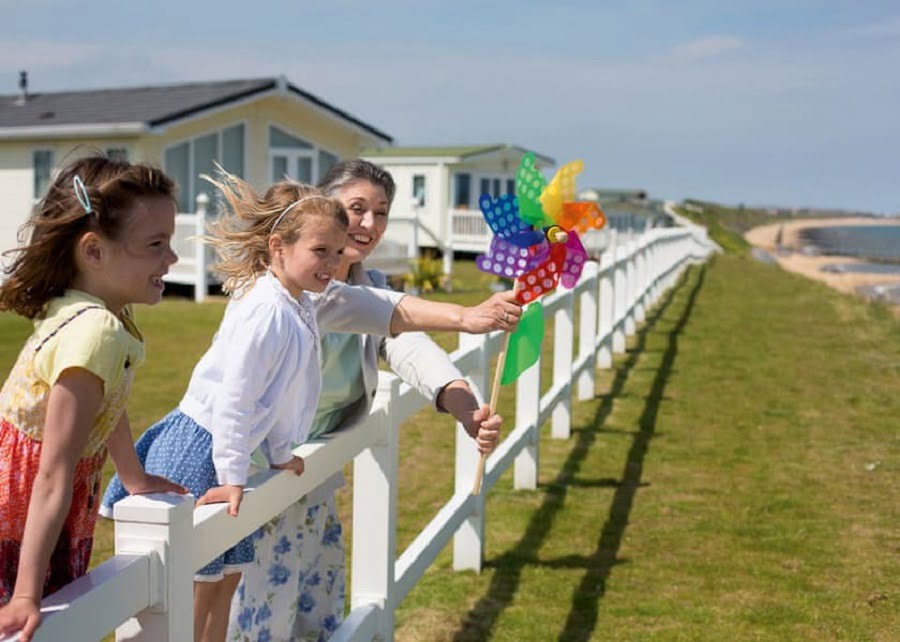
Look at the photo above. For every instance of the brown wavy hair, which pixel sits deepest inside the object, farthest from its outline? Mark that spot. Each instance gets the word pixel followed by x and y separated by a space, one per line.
pixel 246 220
pixel 45 267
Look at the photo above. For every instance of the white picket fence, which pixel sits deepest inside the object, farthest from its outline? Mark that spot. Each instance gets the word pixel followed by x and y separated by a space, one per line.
pixel 146 589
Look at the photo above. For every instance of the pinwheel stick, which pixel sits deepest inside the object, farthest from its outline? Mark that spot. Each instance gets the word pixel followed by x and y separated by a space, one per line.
pixel 495 395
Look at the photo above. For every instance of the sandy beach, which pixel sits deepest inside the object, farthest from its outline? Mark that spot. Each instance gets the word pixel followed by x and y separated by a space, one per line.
pixel 791 256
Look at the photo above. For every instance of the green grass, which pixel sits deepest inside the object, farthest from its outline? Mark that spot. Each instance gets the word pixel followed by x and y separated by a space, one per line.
pixel 726 225
pixel 736 477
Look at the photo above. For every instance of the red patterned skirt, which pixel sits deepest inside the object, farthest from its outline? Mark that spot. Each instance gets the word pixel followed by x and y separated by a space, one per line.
pixel 19 459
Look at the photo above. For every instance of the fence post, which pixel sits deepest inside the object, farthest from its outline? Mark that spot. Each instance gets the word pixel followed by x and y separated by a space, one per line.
pixel 412 252
pixel 375 511
pixel 201 277
pixel 587 328
pixel 630 281
pixel 563 344
pixel 652 270
pixel 606 305
pixel 620 287
pixel 448 263
pixel 468 541
pixel 640 282
pixel 162 524
pixel 528 404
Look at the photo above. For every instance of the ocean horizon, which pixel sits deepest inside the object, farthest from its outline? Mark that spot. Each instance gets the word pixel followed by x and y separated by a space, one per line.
pixel 879 244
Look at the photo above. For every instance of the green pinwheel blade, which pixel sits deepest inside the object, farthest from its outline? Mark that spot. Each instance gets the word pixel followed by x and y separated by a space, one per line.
pixel 530 184
pixel 524 348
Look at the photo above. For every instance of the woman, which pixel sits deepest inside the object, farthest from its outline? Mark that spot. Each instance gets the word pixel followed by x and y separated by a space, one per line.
pixel 295 589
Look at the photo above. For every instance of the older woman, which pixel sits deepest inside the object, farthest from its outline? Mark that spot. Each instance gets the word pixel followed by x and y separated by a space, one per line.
pixel 295 589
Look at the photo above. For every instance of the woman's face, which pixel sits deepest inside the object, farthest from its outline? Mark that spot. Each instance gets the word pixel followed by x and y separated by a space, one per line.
pixel 367 208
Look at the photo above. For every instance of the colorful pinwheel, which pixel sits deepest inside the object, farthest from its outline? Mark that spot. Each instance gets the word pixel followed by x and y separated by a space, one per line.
pixel 536 241
pixel 536 234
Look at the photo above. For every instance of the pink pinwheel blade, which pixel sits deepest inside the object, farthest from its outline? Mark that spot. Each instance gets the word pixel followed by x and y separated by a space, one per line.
pixel 575 259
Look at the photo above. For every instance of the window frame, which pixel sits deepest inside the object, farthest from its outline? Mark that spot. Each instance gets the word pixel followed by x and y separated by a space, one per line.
pixel 35 194
pixel 295 153
pixel 190 189
pixel 423 199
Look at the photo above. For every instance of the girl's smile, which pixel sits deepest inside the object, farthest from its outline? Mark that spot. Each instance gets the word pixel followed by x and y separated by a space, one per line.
pixel 310 262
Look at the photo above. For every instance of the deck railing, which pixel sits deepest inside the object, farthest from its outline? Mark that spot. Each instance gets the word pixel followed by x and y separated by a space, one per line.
pixel 146 589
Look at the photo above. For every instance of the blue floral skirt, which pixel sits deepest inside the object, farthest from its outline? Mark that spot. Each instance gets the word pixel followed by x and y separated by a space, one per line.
pixel 179 449
pixel 294 590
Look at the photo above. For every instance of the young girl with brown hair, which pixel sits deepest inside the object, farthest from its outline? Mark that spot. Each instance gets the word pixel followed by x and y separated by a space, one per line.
pixel 99 243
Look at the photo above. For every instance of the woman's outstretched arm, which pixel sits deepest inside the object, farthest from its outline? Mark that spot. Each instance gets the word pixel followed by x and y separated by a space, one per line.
pixel 499 312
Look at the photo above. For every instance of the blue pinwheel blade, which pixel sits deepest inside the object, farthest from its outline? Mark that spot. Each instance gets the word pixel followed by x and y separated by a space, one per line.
pixel 527 238
pixel 502 215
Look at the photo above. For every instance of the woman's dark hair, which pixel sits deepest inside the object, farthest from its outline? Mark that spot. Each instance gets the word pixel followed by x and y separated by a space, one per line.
pixel 357 169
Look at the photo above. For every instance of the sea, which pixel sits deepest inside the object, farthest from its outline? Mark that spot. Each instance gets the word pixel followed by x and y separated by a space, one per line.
pixel 878 247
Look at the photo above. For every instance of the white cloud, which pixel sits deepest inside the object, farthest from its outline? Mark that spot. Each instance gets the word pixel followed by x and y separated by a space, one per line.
pixel 708 47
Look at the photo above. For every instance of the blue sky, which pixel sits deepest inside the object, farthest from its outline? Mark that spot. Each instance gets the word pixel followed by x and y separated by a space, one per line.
pixel 787 102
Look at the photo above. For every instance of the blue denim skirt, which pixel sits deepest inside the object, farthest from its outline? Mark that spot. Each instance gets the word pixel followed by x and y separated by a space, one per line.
pixel 180 449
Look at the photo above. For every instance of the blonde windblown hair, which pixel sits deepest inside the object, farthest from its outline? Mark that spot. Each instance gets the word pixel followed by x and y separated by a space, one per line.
pixel 247 220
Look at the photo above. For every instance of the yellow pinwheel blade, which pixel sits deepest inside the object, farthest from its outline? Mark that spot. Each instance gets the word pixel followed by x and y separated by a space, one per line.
pixel 560 189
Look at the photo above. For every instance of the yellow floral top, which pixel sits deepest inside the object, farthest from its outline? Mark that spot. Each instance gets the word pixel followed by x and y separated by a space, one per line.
pixel 78 331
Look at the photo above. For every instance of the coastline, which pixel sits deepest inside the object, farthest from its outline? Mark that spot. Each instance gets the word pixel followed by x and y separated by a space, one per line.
pixel 790 254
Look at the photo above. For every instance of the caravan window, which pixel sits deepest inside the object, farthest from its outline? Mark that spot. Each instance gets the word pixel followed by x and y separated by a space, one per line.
pixel 186 161
pixel 42 165
pixel 463 190
pixel 419 189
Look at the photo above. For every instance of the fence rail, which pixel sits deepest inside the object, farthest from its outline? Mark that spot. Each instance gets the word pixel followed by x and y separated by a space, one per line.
pixel 146 589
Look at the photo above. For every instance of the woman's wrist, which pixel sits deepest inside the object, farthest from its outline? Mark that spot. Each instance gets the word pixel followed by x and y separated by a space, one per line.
pixel 457 399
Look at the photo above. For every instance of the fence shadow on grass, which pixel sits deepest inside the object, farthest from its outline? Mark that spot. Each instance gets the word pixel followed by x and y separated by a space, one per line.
pixel 481 619
pixel 582 619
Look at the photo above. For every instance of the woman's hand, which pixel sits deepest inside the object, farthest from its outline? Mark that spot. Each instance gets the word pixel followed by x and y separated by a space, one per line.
pixel 153 484
pixel 21 613
pixel 295 464
pixel 484 428
pixel 499 312
pixel 226 493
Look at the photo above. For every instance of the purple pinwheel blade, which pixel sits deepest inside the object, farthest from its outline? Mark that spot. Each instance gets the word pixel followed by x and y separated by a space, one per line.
pixel 504 259
pixel 538 254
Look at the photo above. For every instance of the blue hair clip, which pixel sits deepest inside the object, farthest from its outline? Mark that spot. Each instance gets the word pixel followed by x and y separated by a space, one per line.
pixel 81 194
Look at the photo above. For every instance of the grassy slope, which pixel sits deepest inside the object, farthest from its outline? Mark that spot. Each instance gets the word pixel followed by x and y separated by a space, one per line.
pixel 717 488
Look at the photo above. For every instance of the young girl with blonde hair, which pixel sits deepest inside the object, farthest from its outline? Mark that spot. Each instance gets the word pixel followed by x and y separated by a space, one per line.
pixel 99 243
pixel 258 384
pixel 295 588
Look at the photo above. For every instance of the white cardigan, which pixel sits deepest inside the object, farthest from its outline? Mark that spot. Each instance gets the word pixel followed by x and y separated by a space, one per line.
pixel 258 384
